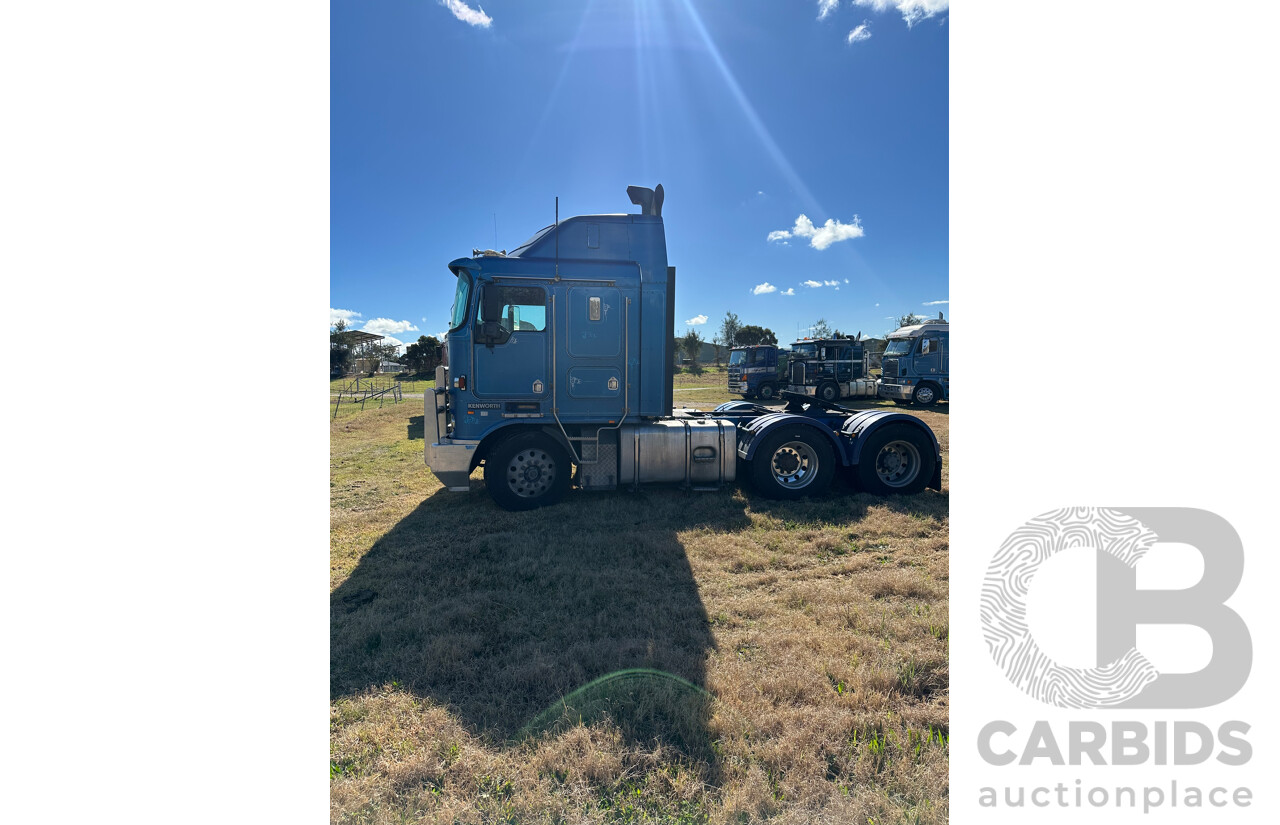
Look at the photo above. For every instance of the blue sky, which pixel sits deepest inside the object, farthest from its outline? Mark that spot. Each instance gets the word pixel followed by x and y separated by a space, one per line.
pixel 802 146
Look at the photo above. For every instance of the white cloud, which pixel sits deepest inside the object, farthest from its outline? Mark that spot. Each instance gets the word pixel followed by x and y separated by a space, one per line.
pixel 788 291
pixel 877 303
pixel 820 237
pixel 761 289
pixel 863 32
pixel 695 320
pixel 336 315
pixel 846 280
pixel 441 335
pixel 912 11
pixel 935 303
pixel 825 7
pixel 812 284
pixel 467 14
pixel 835 284
pixel 386 326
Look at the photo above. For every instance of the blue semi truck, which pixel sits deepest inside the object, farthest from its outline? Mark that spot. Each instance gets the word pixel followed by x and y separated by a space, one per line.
pixel 916 363
pixel 560 374
pixel 757 371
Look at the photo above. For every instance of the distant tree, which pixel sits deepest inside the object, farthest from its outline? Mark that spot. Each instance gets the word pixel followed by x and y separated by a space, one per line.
pixel 729 330
pixel 339 346
pixel 910 320
pixel 820 329
pixel 422 355
pixel 717 343
pixel 691 343
pixel 751 335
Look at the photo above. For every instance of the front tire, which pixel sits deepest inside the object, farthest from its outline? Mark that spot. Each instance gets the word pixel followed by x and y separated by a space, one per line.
pixel 792 463
pixel 926 395
pixel 829 392
pixel 767 392
pixel 898 459
pixel 525 471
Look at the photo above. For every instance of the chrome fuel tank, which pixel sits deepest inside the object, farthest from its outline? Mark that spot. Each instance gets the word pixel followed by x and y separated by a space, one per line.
pixel 700 452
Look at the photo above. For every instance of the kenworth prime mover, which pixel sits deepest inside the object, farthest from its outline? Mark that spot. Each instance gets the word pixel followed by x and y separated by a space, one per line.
pixel 915 364
pixel 559 357
pixel 757 371
pixel 830 369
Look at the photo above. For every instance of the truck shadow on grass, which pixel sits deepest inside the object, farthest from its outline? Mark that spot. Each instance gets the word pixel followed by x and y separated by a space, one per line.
pixel 500 616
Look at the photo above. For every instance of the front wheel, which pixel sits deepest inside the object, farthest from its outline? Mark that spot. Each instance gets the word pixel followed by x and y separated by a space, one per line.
pixel 526 471
pixel 829 392
pixel 897 459
pixel 926 395
pixel 768 392
pixel 792 463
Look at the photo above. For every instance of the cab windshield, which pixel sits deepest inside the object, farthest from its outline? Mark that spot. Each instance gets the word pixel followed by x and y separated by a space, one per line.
pixel 901 346
pixel 458 316
pixel 804 350
pixel 737 358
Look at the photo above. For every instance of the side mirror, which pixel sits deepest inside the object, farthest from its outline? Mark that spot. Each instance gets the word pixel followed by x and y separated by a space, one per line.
pixel 491 303
pixel 491 332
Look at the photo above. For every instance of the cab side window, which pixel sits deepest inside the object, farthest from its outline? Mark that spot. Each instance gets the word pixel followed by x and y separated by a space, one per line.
pixel 518 308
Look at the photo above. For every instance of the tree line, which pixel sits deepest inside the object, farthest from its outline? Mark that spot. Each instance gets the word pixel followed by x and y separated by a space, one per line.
pixel 425 354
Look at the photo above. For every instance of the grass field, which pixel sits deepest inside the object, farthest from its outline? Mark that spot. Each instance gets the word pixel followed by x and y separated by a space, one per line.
pixel 782 662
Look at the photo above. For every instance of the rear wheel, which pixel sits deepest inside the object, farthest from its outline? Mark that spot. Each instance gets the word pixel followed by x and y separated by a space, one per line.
pixel 791 463
pixel 897 459
pixel 526 471
pixel 768 392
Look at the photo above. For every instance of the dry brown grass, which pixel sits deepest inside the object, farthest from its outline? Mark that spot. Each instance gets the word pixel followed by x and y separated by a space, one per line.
pixel 813 635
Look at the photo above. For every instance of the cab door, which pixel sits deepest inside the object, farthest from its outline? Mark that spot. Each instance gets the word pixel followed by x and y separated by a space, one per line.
pixel 510 342
pixel 928 360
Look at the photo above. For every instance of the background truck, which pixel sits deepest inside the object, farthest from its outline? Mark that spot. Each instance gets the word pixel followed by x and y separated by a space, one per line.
pixel 830 369
pixel 914 365
pixel 560 370
pixel 758 371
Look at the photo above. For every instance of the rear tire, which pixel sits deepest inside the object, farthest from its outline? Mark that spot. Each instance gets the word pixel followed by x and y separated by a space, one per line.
pixel 525 471
pixel 792 463
pixel 898 459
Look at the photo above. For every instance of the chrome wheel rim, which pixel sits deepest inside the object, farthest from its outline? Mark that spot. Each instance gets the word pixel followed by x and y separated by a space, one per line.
pixel 794 465
pixel 925 394
pixel 898 463
pixel 530 473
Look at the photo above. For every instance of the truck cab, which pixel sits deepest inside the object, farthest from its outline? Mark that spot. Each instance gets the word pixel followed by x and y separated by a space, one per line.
pixel 757 371
pixel 830 369
pixel 914 367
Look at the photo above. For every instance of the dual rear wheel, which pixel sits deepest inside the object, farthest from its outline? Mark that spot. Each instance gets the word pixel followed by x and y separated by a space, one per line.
pixel 794 462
